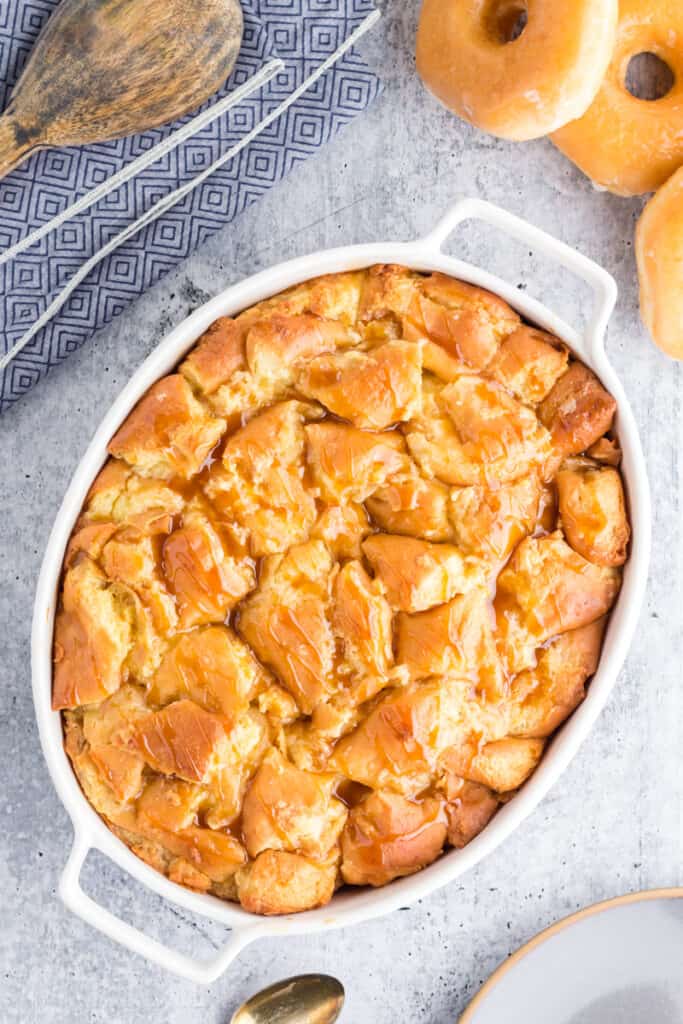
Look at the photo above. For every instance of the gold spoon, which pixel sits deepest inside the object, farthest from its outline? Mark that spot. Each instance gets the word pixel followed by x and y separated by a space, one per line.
pixel 306 999
pixel 103 69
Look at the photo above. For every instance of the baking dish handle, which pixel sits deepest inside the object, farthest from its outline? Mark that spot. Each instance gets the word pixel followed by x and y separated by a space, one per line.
pixel 603 284
pixel 203 972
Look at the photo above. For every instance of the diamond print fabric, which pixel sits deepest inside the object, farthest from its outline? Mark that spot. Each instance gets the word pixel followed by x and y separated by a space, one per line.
pixel 303 33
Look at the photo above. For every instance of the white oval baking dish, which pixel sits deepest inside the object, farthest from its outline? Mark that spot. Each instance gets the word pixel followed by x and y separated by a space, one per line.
pixel 348 906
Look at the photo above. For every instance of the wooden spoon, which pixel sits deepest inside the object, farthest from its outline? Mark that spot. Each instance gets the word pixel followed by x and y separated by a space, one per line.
pixel 102 69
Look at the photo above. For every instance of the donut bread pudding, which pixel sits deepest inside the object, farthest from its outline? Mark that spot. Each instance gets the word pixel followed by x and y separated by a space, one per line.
pixel 343 575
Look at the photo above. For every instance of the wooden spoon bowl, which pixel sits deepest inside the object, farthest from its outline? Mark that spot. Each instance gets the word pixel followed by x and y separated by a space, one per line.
pixel 103 69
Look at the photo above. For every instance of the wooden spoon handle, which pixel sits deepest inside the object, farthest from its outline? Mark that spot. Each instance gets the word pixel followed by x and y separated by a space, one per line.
pixel 12 151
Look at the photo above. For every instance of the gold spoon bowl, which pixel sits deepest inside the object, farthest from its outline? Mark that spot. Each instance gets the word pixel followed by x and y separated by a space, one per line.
pixel 305 999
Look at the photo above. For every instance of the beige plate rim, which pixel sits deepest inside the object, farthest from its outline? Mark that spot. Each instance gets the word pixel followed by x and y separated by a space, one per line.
pixel 674 892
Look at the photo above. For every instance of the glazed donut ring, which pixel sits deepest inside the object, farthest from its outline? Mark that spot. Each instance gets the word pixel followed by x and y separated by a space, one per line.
pixel 659 251
pixel 625 144
pixel 524 88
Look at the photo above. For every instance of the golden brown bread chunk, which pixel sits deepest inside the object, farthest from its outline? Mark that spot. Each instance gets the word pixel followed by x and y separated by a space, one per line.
pixel 343 528
pixel 216 854
pixel 120 769
pixel 392 746
pixel 278 882
pixel 462 334
pixel 275 434
pixel 184 873
pixel 606 450
pixel 442 366
pixel 113 719
pixel 546 589
pixel 182 739
pixel 267 352
pixel 502 765
pixel 108 487
pixel 372 390
pixel 454 639
pixel 105 729
pixel 206 579
pixel 95 781
pixel 408 503
pixel 528 363
pixel 121 495
pixel 212 667
pixel 493 428
pixel 246 743
pixel 218 354
pixel 89 538
pixel 543 696
pixel 467 322
pixel 398 744
pixel 331 296
pixel 362 619
pixel 343 578
pixel 388 836
pixel 197 857
pixel 278 705
pixel 505 764
pixel 309 742
pixel 457 295
pixel 350 464
pixel 286 621
pixel 197 743
pixel 489 522
pixel 472 431
pixel 260 480
pixel 276 345
pixel 418 574
pixel 93 636
pixel 149 639
pixel 577 411
pixel 593 513
pixel 168 433
pixel 469 809
pixel 242 364
pixel 388 290
pixel 170 804
pixel 130 558
pixel 289 809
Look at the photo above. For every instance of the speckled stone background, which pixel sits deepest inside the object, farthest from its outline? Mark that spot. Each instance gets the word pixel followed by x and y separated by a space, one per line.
pixel 612 824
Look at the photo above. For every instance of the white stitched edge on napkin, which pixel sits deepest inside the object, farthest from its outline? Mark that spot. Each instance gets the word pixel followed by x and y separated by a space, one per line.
pixel 261 78
pixel 170 200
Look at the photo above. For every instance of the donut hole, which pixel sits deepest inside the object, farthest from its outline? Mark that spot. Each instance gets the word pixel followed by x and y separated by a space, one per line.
pixel 648 77
pixel 505 20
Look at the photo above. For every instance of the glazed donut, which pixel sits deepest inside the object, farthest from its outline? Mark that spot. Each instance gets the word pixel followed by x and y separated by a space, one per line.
pixel 518 88
pixel 659 251
pixel 625 144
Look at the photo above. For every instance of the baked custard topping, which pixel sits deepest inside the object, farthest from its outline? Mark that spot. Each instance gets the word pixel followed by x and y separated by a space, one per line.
pixel 344 574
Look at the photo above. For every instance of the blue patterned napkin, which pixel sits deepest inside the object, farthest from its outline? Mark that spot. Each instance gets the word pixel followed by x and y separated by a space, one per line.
pixel 303 33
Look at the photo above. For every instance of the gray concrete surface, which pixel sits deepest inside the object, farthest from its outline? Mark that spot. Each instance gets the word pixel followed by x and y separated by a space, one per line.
pixel 611 825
